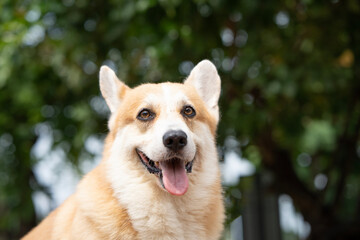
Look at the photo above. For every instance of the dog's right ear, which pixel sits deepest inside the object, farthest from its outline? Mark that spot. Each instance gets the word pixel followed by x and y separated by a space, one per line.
pixel 112 89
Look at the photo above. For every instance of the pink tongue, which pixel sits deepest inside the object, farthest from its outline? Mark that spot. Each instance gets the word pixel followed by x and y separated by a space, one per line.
pixel 174 177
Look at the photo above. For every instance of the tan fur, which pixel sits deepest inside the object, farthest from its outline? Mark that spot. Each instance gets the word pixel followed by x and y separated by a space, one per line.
pixel 91 213
pixel 120 199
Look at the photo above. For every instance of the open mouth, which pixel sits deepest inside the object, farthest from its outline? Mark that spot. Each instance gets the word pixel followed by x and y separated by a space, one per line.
pixel 171 172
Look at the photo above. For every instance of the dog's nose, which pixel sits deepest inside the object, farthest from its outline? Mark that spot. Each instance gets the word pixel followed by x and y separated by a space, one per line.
pixel 175 140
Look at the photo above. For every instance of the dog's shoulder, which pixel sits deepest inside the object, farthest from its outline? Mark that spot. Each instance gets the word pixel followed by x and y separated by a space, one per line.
pixel 100 208
pixel 91 212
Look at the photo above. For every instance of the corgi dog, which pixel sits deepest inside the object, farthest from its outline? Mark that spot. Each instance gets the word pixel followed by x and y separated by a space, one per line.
pixel 159 177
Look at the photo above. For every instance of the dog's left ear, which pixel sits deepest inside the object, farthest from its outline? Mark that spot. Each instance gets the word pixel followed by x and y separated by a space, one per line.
pixel 205 78
pixel 112 89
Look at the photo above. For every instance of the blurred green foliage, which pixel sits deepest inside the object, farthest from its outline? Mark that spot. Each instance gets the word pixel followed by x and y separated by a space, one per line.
pixel 290 90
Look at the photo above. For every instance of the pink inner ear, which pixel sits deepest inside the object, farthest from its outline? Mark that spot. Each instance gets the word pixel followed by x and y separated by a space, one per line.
pixel 205 79
pixel 112 89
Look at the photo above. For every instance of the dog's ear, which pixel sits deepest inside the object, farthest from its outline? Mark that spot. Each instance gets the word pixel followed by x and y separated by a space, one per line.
pixel 112 89
pixel 204 77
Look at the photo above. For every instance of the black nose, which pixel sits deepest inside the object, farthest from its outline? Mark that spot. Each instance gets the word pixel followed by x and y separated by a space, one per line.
pixel 175 140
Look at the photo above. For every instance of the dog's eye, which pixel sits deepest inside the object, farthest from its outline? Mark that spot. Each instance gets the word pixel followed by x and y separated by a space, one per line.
pixel 188 111
pixel 145 115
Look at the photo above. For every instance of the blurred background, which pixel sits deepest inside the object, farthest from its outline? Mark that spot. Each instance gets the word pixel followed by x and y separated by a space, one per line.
pixel 288 139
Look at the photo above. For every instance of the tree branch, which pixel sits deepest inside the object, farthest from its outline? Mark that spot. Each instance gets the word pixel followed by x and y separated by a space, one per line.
pixel 279 162
pixel 346 150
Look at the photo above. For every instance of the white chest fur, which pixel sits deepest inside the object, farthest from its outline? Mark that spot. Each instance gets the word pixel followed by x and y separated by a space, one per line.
pixel 155 213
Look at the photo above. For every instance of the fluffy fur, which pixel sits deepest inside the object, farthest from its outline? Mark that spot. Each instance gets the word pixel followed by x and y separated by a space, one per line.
pixel 120 198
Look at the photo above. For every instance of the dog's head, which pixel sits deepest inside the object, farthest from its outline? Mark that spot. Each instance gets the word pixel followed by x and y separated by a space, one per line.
pixel 164 128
